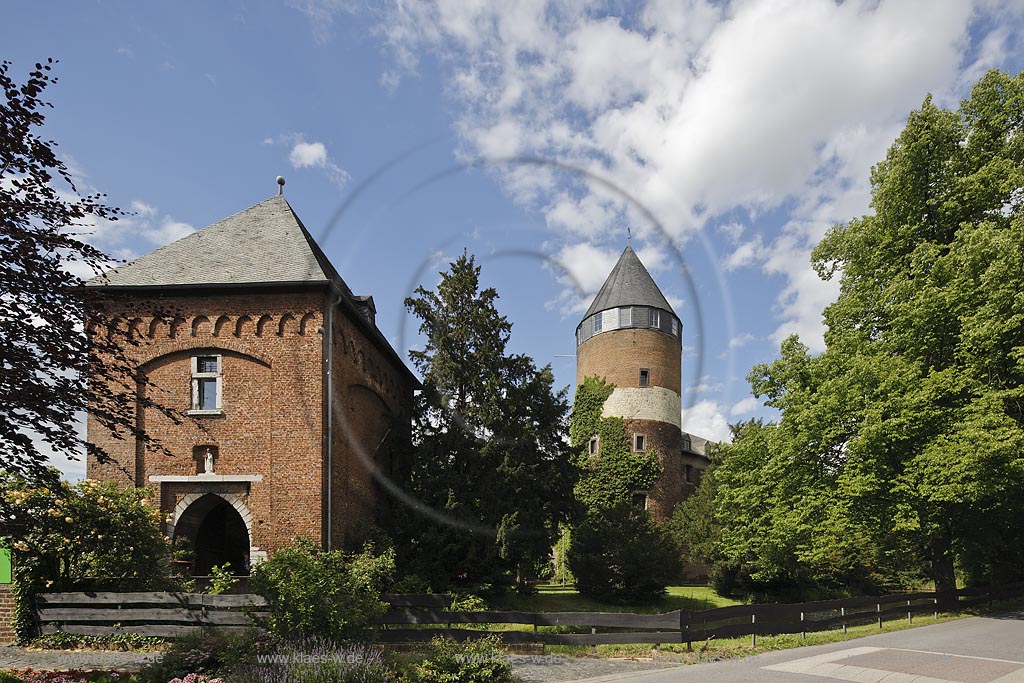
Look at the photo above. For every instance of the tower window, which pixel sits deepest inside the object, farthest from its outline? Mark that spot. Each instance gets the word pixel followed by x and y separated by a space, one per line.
pixel 655 318
pixel 675 327
pixel 206 383
pixel 687 446
pixel 595 445
pixel 625 317
pixel 640 500
pixel 639 443
pixel 645 377
pixel 689 474
pixel 597 323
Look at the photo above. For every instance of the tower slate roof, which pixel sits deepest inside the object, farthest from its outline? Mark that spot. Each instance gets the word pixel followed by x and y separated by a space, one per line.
pixel 264 244
pixel 629 284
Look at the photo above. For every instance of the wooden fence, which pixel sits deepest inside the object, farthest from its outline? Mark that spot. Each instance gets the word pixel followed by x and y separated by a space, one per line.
pixel 171 615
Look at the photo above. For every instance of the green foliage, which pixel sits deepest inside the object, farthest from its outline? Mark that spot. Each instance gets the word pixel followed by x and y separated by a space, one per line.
pixel 211 653
pixel 317 661
pixel 85 536
pixel 332 594
pixel 899 452
pixel 694 525
pixel 617 553
pixel 221 579
pixel 474 661
pixel 467 602
pixel 611 477
pixel 115 641
pixel 621 555
pixel 490 467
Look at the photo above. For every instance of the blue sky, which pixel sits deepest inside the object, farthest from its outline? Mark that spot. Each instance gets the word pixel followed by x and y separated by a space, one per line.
pixel 729 136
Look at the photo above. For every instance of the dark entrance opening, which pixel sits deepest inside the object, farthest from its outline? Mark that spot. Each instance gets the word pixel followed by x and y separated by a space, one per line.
pixel 218 535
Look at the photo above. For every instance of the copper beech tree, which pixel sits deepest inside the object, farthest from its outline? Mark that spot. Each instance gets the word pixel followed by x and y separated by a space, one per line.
pixel 51 370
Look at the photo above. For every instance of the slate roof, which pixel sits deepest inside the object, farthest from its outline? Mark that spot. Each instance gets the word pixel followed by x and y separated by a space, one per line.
pixel 264 244
pixel 698 445
pixel 629 284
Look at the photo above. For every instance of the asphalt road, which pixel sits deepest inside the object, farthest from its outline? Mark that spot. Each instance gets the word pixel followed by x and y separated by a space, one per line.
pixel 985 649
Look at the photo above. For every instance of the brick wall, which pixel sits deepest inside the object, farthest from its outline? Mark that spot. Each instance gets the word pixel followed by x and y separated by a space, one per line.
pixel 271 347
pixel 6 614
pixel 619 355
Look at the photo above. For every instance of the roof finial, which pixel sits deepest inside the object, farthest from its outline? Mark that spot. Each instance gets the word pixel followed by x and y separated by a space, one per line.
pixel 629 236
pixel 280 185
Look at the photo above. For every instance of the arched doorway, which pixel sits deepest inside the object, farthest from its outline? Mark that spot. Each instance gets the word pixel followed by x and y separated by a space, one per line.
pixel 218 534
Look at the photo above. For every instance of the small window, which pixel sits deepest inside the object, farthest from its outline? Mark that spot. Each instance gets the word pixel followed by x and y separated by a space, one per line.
pixel 639 443
pixel 206 383
pixel 675 327
pixel 640 500
pixel 645 377
pixel 687 445
pixel 595 445
pixel 597 323
pixel 655 318
pixel 626 317
pixel 689 474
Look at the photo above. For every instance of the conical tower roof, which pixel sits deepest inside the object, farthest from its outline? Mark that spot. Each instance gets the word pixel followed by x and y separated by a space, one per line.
pixel 629 284
pixel 264 244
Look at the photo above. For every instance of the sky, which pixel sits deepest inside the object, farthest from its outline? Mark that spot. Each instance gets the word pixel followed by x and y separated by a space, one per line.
pixel 728 137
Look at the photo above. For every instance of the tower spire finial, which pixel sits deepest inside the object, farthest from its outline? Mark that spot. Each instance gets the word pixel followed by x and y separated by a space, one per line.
pixel 629 236
pixel 280 185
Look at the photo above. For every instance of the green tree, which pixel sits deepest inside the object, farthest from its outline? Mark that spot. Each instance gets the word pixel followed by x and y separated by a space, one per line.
pixel 490 465
pixel 899 450
pixel 617 552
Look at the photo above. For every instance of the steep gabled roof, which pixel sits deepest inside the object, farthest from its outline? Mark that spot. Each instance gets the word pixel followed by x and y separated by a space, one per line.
pixel 264 244
pixel 629 284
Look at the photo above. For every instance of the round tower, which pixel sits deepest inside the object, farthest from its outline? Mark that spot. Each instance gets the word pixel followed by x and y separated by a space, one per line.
pixel 631 337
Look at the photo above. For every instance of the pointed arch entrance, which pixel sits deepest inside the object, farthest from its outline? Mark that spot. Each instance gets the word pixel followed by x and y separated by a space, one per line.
pixel 218 529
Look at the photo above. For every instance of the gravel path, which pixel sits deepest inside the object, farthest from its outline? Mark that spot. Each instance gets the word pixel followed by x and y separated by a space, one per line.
pixel 555 668
pixel 13 657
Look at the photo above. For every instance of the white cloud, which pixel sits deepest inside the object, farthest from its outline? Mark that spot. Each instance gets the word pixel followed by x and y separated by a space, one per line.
pixel 744 407
pixel 741 340
pixel 707 419
pixel 321 14
pixel 700 111
pixel 581 268
pixel 314 155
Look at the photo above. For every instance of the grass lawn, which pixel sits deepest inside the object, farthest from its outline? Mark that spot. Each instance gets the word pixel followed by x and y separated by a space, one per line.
pixel 554 598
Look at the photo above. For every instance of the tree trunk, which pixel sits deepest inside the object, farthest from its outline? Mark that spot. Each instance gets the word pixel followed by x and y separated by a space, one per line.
pixel 943 572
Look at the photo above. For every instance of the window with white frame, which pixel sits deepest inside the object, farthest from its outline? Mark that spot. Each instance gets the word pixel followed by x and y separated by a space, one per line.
pixel 206 383
pixel 639 443
pixel 645 377
pixel 655 318
pixel 595 445
pixel 597 323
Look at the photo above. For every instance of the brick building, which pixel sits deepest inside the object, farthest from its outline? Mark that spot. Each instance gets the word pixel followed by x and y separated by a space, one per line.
pixel 290 394
pixel 631 337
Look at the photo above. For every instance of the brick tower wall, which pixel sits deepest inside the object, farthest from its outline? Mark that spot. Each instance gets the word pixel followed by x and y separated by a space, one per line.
pixel 653 410
pixel 7 634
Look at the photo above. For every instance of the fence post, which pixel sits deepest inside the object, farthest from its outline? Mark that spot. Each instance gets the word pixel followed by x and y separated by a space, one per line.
pixel 689 643
pixel 878 608
pixel 842 613
pixel 935 602
pixel 803 628
pixel 593 648
pixel 753 633
pixel 910 615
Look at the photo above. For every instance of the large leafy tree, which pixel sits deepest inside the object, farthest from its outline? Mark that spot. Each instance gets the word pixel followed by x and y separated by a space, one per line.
pixel 900 450
pixel 490 464
pixel 45 355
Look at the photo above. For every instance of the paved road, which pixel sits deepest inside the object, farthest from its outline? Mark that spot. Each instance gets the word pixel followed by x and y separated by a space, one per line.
pixel 986 649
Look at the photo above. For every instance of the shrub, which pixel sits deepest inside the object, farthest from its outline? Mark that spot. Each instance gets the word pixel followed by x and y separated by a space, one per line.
pixel 212 653
pixel 114 641
pixel 221 579
pixel 475 661
pixel 317 660
pixel 621 555
pixel 330 594
pixel 63 536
